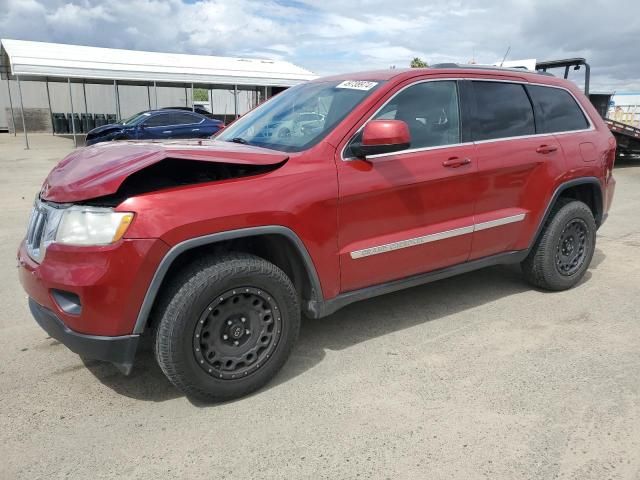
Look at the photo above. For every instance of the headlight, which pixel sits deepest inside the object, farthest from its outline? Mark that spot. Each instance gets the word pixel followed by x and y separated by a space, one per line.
pixel 92 226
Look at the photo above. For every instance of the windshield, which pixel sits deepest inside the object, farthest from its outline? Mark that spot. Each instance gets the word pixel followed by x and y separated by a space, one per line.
pixel 137 118
pixel 299 117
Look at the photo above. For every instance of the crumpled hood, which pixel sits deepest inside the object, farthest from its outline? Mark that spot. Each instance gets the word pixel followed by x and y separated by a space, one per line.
pixel 99 170
pixel 105 128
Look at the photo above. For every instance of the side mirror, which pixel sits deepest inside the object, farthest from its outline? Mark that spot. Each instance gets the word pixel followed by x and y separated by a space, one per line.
pixel 383 136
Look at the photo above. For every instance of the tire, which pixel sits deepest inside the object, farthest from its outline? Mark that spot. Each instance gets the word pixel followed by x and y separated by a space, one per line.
pixel 562 254
pixel 227 327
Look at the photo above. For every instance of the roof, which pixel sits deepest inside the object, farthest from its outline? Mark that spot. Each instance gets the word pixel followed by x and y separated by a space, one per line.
pixel 40 59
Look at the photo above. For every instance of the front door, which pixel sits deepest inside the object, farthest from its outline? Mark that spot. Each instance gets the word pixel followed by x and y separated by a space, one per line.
pixel 411 211
pixel 158 126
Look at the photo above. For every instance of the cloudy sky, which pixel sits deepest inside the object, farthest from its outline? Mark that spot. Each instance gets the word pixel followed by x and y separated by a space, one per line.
pixel 331 36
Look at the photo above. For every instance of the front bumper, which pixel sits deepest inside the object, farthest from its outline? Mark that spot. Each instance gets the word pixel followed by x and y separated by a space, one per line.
pixel 108 283
pixel 120 350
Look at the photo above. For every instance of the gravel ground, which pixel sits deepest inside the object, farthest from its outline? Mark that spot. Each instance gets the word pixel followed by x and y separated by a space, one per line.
pixel 477 376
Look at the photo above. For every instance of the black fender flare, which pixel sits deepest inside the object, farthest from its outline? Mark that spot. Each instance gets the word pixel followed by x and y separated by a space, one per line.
pixel 176 250
pixel 558 192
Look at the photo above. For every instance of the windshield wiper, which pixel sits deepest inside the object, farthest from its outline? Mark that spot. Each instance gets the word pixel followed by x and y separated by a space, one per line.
pixel 239 140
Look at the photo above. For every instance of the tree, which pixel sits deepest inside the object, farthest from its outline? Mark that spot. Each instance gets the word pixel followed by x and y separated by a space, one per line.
pixel 417 62
pixel 200 94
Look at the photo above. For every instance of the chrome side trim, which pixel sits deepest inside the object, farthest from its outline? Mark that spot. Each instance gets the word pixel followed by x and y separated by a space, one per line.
pixel 411 242
pixel 434 237
pixel 499 222
pixel 414 150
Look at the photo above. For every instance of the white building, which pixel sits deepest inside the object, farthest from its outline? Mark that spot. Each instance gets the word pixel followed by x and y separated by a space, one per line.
pixel 47 78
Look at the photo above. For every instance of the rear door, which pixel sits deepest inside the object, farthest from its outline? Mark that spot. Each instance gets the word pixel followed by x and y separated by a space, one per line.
pixel 187 125
pixel 516 165
pixel 558 113
pixel 411 211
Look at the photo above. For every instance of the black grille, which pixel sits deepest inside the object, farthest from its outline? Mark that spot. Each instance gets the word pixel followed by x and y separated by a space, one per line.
pixel 36 231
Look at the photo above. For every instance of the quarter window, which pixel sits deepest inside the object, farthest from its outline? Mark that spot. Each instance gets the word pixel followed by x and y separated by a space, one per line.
pixel 556 109
pixel 503 110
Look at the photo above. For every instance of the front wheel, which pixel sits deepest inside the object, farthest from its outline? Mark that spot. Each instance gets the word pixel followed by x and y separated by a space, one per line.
pixel 228 328
pixel 562 254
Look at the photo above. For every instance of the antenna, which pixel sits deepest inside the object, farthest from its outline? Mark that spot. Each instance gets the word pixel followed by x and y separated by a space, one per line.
pixel 505 55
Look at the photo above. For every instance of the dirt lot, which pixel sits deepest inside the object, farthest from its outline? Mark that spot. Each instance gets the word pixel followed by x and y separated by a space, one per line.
pixel 477 376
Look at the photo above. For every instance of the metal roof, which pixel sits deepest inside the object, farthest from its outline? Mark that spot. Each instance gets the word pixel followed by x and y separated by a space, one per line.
pixel 40 59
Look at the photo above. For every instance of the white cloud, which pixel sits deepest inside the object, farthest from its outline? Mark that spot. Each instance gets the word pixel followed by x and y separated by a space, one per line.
pixel 330 36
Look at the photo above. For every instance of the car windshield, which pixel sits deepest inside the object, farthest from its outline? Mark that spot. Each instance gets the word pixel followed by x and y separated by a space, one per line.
pixel 299 117
pixel 137 118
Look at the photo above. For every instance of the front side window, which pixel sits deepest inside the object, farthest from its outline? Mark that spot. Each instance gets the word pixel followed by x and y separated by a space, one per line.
pixel 160 120
pixel 136 119
pixel 430 110
pixel 558 110
pixel 299 117
pixel 502 110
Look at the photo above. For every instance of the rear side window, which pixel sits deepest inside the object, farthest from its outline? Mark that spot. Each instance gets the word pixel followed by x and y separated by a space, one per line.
pixel 184 119
pixel 502 110
pixel 557 110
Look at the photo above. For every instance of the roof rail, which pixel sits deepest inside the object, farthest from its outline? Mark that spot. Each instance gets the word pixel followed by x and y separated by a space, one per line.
pixel 485 67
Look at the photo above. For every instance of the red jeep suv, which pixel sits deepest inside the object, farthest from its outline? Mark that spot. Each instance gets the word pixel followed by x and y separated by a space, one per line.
pixel 334 191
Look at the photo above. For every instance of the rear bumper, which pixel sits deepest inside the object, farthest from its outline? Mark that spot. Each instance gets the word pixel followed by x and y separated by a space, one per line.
pixel 120 350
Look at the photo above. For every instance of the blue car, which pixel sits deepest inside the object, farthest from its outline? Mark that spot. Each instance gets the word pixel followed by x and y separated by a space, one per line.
pixel 157 124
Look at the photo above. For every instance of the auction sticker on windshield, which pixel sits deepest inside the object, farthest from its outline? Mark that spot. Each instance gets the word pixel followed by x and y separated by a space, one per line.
pixel 357 84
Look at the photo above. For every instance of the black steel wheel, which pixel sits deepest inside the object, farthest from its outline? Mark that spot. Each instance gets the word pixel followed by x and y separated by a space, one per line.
pixel 226 326
pixel 237 332
pixel 571 250
pixel 561 255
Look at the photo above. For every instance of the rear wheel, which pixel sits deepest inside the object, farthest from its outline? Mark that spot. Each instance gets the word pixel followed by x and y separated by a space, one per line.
pixel 228 328
pixel 562 254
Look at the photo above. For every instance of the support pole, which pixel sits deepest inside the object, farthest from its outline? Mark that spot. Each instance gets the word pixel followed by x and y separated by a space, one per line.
pixel 587 78
pixel 117 94
pixel 265 93
pixel 193 105
pixel 186 97
pixel 24 122
pixel 149 95
pixel 13 117
pixel 235 100
pixel 155 93
pixel 53 131
pixel 86 107
pixel 73 123
pixel 211 100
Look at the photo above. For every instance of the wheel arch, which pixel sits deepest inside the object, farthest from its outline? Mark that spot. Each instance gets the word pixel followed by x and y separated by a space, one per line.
pixel 587 190
pixel 277 244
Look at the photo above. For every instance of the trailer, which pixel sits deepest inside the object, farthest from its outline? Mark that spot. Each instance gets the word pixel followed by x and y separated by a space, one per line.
pixel 627 136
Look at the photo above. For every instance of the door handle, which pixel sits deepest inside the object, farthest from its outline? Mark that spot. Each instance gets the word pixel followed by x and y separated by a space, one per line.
pixel 544 149
pixel 166 131
pixel 195 129
pixel 455 162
